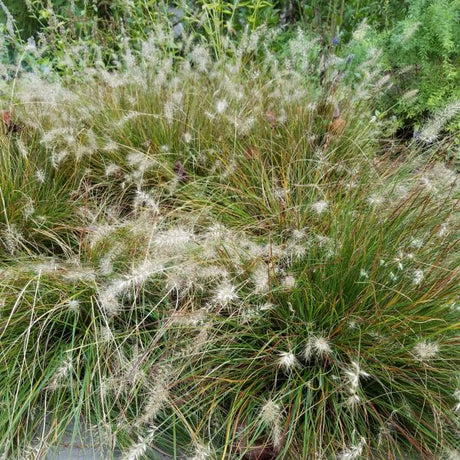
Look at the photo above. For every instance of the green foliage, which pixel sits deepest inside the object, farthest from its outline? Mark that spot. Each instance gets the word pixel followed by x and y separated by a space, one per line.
pixel 26 25
pixel 340 18
pixel 420 48
pixel 422 52
pixel 233 16
pixel 216 19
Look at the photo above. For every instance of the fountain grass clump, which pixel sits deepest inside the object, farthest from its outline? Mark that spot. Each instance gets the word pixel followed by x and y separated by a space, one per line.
pixel 216 258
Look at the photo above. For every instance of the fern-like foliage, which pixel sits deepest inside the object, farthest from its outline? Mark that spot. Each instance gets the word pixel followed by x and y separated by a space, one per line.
pixel 422 53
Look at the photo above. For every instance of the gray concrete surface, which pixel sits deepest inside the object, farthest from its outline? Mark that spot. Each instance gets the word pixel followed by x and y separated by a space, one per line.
pixel 75 453
pixel 83 449
pixel 85 453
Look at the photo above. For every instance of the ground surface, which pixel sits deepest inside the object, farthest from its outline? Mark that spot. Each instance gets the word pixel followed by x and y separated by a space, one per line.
pixel 82 449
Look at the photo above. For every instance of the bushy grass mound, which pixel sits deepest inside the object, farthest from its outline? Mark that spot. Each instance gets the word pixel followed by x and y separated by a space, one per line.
pixel 218 259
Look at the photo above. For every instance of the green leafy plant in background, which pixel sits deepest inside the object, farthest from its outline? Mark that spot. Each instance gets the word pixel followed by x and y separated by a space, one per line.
pixel 422 53
pixel 340 18
pixel 26 24
pixel 219 18
pixel 419 42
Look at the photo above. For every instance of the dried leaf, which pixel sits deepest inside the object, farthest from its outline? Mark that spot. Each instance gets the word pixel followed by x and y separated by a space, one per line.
pixel 252 152
pixel 179 169
pixel 271 117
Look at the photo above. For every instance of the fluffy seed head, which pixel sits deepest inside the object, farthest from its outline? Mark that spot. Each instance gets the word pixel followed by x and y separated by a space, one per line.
pixel 353 400
pixel 425 350
pixel 270 412
pixel 61 373
pixel 173 238
pixel 225 294
pixel 136 451
pixel 308 351
pixel 260 279
pixel 104 334
pixel 289 282
pixel 73 305
pixel 352 376
pixel 417 277
pixel 40 175
pixel 353 452
pixel 221 106
pixel 202 452
pixel 287 360
pixel 321 346
pixel 320 206
pixel 457 397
